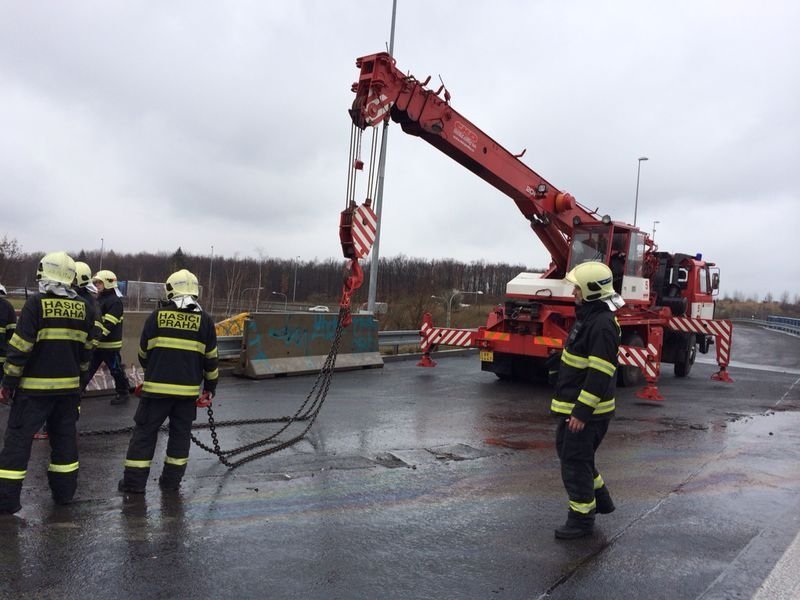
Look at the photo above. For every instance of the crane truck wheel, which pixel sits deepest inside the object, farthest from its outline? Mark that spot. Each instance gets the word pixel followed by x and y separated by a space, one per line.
pixel 684 363
pixel 630 376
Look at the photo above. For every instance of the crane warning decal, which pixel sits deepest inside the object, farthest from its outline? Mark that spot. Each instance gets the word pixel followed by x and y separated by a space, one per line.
pixel 376 109
pixel 644 358
pixel 465 136
pixel 365 225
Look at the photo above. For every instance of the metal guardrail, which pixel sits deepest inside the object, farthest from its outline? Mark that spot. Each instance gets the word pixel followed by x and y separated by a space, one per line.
pixel 230 346
pixel 776 326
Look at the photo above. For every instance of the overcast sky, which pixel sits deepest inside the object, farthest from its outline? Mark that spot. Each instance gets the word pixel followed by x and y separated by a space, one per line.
pixel 194 123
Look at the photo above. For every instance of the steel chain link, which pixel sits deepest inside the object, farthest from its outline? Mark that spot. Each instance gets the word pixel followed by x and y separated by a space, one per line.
pixel 324 378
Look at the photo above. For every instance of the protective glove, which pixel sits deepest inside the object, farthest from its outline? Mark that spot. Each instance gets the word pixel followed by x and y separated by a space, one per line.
pixel 137 391
pixel 6 395
pixel 204 401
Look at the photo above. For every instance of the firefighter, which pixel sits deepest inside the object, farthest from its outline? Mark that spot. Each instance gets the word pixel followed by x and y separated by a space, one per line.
pixel 178 351
pixel 108 346
pixel 88 291
pixel 84 288
pixel 8 322
pixel 41 381
pixel 584 395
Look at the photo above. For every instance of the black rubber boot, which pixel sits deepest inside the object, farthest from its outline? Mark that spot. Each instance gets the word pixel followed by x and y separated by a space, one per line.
pixel 127 488
pixel 121 398
pixel 171 477
pixel 605 504
pixel 10 491
pixel 577 526
pixel 169 485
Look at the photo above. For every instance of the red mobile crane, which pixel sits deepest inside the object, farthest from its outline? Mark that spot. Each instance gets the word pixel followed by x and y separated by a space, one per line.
pixel 669 298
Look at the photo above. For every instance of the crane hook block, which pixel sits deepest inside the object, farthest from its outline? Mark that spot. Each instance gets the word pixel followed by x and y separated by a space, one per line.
pixel 358 227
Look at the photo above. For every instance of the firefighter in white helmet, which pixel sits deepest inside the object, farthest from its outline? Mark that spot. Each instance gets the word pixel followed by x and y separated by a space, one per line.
pixel 109 343
pixel 41 379
pixel 178 351
pixel 88 291
pixel 584 395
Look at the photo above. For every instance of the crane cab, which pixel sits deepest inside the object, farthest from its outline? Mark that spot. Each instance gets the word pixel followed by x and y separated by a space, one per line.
pixel 622 248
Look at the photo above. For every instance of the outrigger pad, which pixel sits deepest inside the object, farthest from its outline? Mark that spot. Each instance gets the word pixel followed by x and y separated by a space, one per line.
pixel 426 361
pixel 649 392
pixel 722 375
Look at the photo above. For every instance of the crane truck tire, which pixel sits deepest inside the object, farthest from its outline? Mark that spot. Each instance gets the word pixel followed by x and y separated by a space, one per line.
pixel 684 363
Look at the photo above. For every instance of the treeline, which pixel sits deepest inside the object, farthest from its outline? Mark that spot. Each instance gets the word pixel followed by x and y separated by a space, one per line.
pixel 234 283
pixel 730 308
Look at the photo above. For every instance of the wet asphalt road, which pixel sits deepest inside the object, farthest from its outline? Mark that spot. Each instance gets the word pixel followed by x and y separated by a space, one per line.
pixel 435 483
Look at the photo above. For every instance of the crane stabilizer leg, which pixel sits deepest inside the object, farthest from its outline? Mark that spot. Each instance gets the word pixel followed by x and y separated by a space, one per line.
pixel 425 342
pixel 720 329
pixel 648 360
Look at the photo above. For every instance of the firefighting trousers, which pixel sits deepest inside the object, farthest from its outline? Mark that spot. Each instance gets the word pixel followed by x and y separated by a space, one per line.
pixel 150 415
pixel 28 414
pixel 113 361
pixel 581 479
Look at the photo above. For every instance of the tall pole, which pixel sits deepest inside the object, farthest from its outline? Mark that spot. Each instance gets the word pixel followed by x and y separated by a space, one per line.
pixel 636 204
pixel 294 289
pixel 654 230
pixel 258 291
pixel 373 271
pixel 101 253
pixel 450 306
pixel 211 280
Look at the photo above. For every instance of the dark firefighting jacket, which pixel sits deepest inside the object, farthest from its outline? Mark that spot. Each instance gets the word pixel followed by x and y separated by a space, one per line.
pixel 50 347
pixel 8 322
pixel 94 311
pixel 587 373
pixel 178 351
pixel 110 321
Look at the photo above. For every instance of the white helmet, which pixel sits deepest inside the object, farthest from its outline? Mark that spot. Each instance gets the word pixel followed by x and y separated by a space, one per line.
pixel 182 283
pixel 595 280
pixel 107 278
pixel 83 274
pixel 56 266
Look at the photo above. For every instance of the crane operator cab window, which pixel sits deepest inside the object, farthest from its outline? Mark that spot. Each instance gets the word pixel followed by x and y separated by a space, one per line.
pixel 619 252
pixel 589 244
pixel 634 265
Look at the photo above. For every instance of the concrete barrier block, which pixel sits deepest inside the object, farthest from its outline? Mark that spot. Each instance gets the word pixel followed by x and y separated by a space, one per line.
pixel 298 343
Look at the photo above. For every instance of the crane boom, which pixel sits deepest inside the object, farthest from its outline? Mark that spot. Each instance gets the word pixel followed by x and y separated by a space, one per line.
pixel 382 90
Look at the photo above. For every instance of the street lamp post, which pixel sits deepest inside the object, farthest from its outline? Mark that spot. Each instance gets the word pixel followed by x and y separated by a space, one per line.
pixel 636 203
pixel 284 299
pixel 211 281
pixel 654 229
pixel 245 290
pixel 101 253
pixel 450 301
pixel 294 288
